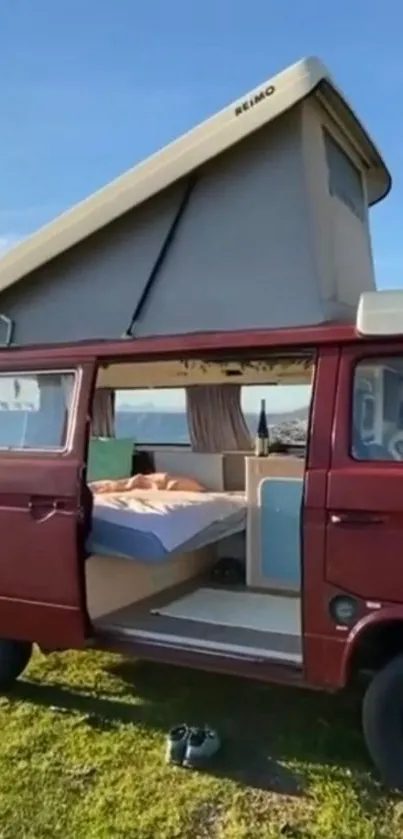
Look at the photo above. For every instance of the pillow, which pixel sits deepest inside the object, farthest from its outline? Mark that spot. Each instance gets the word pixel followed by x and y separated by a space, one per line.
pixel 109 458
pixel 154 481
pixel 184 485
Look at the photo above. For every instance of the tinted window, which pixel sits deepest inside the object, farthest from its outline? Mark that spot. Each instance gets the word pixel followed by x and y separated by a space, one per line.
pixel 345 180
pixel 377 415
pixel 35 410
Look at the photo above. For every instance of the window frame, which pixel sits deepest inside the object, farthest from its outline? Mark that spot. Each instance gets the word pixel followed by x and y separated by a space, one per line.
pixel 379 360
pixel 49 451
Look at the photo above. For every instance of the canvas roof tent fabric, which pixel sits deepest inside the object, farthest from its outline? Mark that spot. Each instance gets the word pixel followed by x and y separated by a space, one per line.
pixel 253 219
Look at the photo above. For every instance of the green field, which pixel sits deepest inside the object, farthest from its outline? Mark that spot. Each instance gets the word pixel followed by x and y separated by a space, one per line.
pixel 82 756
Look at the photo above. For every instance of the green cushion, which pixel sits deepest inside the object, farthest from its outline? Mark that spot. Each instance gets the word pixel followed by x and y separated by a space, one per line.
pixel 109 458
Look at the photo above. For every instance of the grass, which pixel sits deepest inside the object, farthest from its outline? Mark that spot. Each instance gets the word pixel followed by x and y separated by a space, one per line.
pixel 82 757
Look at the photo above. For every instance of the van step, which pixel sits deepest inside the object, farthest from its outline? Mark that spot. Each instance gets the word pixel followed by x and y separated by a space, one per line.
pixel 247 645
pixel 182 646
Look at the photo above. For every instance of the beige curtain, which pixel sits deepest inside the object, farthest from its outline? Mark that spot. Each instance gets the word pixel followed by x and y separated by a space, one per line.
pixel 103 413
pixel 215 418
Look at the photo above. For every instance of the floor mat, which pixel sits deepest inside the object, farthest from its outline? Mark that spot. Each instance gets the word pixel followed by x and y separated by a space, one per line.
pixel 249 610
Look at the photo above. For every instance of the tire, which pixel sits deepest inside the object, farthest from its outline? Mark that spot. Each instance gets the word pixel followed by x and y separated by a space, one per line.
pixel 14 657
pixel 382 718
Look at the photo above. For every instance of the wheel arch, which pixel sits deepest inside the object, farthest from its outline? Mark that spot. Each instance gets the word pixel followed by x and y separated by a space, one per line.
pixel 373 642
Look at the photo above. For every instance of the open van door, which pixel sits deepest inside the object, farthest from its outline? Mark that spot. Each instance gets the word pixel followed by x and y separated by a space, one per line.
pixel 44 417
pixel 365 486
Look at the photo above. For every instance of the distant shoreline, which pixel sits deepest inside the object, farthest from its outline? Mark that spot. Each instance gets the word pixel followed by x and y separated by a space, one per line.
pixel 171 427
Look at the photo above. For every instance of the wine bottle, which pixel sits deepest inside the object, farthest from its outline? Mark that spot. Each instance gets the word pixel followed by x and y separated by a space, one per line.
pixel 262 434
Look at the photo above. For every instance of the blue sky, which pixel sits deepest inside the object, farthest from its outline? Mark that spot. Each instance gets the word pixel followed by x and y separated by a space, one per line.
pixel 90 87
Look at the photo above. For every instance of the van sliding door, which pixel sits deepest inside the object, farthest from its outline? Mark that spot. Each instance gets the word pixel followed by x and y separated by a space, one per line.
pixel 43 438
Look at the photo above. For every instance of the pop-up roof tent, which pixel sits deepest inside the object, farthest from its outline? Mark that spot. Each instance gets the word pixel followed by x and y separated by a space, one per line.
pixel 258 218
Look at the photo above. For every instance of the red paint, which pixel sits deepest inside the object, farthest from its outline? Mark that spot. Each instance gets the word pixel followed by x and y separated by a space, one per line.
pixel 363 553
pixel 51 625
pixel 316 623
pixel 180 345
pixel 41 578
pixel 352 528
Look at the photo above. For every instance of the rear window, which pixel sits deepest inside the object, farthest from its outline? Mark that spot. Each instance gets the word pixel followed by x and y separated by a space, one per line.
pixel 36 410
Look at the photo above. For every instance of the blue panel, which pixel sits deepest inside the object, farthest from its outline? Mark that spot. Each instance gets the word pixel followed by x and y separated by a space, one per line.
pixel 280 502
pixel 109 539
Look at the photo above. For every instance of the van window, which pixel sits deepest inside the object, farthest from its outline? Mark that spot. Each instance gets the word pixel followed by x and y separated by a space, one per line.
pixel 153 415
pixel 158 416
pixel 287 410
pixel 35 410
pixel 377 410
pixel 345 180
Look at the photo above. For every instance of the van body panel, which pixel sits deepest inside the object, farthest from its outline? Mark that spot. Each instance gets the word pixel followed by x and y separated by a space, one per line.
pixel 42 592
pixel 364 528
pixel 318 629
pixel 42 588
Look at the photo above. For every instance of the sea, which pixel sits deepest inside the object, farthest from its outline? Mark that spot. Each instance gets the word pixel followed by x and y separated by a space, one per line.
pixel 159 427
pixel 171 427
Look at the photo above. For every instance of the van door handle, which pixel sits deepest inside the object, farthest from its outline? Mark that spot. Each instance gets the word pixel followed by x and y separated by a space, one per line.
pixel 43 508
pixel 43 504
pixel 362 519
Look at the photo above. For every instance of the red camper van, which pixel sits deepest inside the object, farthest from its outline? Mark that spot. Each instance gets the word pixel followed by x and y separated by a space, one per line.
pixel 239 257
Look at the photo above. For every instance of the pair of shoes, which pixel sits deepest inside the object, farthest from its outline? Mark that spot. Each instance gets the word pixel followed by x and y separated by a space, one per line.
pixel 191 746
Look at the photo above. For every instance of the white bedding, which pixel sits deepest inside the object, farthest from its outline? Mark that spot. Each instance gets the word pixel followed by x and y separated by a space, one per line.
pixel 172 517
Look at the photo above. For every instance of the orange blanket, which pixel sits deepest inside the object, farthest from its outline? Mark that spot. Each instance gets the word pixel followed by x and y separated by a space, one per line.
pixel 155 481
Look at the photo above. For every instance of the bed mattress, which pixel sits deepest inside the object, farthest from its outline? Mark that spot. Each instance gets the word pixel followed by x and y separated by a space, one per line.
pixel 151 525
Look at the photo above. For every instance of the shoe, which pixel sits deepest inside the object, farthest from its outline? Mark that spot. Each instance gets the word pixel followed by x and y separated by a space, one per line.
pixel 176 744
pixel 202 745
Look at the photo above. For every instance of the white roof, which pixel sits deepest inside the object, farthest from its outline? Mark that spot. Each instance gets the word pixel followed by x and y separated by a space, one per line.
pixel 380 313
pixel 249 113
